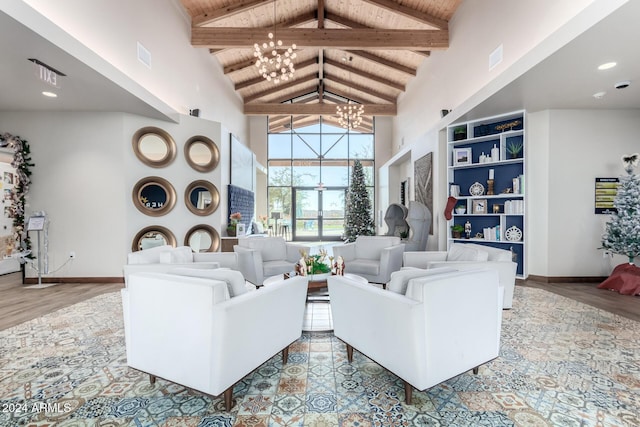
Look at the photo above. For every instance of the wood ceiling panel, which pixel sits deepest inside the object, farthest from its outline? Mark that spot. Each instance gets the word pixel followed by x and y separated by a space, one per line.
pixel 351 64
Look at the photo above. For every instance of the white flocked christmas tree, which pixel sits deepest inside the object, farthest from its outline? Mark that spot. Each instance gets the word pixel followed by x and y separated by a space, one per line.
pixel 622 233
pixel 358 221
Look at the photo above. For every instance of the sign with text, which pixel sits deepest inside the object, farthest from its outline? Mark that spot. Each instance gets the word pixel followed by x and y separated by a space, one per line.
pixel 47 74
pixel 606 190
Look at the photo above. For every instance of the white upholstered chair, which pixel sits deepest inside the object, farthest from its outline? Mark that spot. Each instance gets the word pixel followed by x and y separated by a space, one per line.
pixel 372 257
pixel 262 257
pixel 470 256
pixel 188 330
pixel 446 323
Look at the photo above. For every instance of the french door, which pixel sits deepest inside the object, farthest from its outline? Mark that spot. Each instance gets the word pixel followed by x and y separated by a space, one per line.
pixel 318 214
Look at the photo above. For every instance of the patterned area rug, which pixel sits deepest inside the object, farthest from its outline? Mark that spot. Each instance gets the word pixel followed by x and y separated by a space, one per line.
pixel 562 363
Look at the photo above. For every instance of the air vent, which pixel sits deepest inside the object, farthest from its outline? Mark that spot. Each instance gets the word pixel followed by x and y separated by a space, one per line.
pixel 144 55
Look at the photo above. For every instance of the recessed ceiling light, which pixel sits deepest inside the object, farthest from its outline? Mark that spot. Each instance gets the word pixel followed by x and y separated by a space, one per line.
pixel 607 65
pixel 50 94
pixel 599 95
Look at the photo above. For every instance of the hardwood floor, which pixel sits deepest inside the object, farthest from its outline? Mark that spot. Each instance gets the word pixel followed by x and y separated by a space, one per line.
pixel 19 304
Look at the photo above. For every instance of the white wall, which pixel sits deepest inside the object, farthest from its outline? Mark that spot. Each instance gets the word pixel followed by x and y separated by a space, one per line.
pixel 83 177
pixel 181 76
pixel 581 145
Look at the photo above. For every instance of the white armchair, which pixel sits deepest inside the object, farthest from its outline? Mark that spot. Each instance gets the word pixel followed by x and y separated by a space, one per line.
pixel 262 257
pixel 469 256
pixel 444 325
pixel 189 331
pixel 372 257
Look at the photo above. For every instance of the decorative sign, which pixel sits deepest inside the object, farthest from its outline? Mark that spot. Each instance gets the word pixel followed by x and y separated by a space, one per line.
pixel 36 223
pixel 606 190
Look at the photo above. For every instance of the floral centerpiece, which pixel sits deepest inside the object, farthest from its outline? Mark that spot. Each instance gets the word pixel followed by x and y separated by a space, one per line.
pixel 314 265
pixel 234 219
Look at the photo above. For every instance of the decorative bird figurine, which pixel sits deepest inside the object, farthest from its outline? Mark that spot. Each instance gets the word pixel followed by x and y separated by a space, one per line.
pixel 630 162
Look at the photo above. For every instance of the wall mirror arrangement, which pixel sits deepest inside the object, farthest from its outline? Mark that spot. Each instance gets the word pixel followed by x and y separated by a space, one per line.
pixel 202 238
pixel 202 197
pixel 152 236
pixel 201 153
pixel 154 196
pixel 154 147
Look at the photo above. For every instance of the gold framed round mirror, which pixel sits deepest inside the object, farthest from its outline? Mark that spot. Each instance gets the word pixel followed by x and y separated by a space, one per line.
pixel 202 238
pixel 201 153
pixel 202 197
pixel 152 236
pixel 154 196
pixel 154 147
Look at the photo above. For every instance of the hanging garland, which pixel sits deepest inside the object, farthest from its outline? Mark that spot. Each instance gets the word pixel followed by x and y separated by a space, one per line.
pixel 22 164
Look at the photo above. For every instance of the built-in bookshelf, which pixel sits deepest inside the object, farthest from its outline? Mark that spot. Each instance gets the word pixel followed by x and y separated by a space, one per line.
pixel 486 174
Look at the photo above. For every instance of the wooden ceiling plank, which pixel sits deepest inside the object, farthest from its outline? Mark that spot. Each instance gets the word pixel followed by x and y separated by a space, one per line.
pixel 235 7
pixel 395 7
pixel 320 15
pixel 314 109
pixel 280 87
pixel 364 74
pixel 365 38
pixel 297 94
pixel 260 79
pixel 382 61
pixel 360 88
pixel 345 95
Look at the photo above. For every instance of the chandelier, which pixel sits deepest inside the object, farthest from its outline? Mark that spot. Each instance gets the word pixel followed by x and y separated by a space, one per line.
pixel 272 64
pixel 350 115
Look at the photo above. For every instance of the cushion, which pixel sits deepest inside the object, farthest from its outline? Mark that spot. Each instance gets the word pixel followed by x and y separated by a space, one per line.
pixel 400 279
pixel 370 247
pixel 179 255
pixel 463 252
pixel 148 256
pixel 272 249
pixel 236 284
pixel 495 254
pixel 274 268
pixel 363 266
pixel 257 228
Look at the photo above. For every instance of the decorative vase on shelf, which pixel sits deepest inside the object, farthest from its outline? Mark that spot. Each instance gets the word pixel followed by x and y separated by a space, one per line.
pixel 231 231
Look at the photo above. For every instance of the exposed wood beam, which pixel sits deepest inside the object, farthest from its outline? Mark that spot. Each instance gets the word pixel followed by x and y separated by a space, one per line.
pixel 364 74
pixel 334 38
pixel 300 93
pixel 382 61
pixel 410 13
pixel 364 89
pixel 235 7
pixel 314 109
pixel 321 90
pixel 320 14
pixel 343 94
pixel 280 87
pixel 260 79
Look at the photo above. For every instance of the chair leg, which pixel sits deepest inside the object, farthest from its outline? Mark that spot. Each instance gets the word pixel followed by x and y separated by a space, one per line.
pixel 475 370
pixel 349 353
pixel 285 355
pixel 228 401
pixel 408 393
pixel 152 379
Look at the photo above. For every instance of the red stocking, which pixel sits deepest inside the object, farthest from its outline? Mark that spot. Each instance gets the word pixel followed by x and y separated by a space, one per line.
pixel 451 203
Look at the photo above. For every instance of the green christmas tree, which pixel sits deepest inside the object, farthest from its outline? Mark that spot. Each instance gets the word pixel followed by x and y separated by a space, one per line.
pixel 622 233
pixel 358 221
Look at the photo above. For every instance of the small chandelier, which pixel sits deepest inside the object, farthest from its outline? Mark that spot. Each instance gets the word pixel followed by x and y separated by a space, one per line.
pixel 350 115
pixel 273 65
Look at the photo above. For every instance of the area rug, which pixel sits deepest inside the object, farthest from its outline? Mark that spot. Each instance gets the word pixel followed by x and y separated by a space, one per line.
pixel 561 363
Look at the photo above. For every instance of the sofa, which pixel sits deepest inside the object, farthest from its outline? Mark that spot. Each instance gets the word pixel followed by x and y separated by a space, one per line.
pixel 469 256
pixel 444 323
pixel 372 257
pixel 192 331
pixel 162 259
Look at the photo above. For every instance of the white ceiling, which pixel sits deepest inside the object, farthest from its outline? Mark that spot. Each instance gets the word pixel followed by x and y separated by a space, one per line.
pixel 566 79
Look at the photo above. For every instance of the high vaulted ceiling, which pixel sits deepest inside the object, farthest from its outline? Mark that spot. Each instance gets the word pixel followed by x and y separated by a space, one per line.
pixel 363 51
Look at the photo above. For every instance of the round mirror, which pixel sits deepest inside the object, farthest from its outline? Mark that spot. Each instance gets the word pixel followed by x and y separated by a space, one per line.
pixel 154 196
pixel 201 153
pixel 150 237
pixel 154 147
pixel 202 238
pixel 202 197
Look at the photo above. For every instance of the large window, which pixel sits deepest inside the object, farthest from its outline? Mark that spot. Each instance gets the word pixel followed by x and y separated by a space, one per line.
pixel 306 155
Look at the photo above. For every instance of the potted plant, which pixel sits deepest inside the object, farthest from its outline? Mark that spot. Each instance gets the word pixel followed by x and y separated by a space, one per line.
pixel 461 209
pixel 314 266
pixel 514 149
pixel 234 219
pixel 457 230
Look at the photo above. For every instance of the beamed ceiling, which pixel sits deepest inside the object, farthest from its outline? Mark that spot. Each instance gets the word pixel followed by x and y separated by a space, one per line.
pixel 362 51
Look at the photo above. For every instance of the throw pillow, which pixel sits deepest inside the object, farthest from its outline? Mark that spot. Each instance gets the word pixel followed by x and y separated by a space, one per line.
pixel 462 252
pixel 234 279
pixel 400 279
